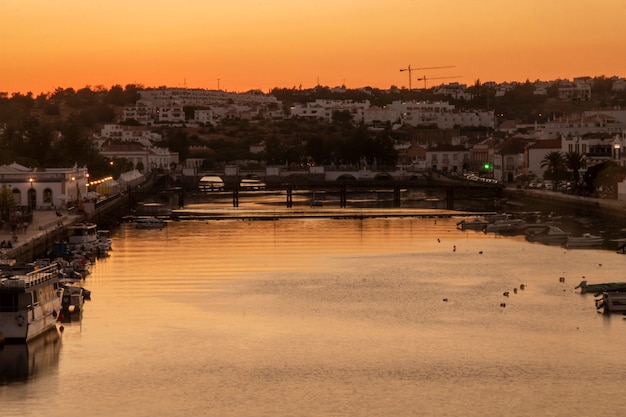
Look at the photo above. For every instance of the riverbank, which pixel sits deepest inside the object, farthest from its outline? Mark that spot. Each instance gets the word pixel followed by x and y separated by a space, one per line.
pixel 46 227
pixel 557 201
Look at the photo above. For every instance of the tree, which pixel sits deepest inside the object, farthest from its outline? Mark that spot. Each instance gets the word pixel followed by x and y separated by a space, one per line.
pixel 7 202
pixel 575 161
pixel 554 162
pixel 604 177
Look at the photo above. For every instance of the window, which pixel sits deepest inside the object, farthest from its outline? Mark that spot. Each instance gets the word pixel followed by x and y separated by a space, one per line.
pixel 47 195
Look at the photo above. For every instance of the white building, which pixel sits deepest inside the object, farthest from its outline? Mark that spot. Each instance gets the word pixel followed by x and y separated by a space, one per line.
pixel 141 112
pixel 44 188
pixel 323 109
pixel 450 158
pixel 441 114
pixel 381 115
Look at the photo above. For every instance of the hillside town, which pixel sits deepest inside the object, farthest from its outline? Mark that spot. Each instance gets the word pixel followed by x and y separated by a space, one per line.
pixel 598 134
pixel 429 135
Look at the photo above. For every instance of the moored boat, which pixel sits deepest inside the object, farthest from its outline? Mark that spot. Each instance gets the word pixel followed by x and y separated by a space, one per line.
pixel 82 234
pixel 30 301
pixel 509 226
pixel 586 241
pixel 550 235
pixel 74 298
pixel 612 302
pixel 601 287
pixel 473 224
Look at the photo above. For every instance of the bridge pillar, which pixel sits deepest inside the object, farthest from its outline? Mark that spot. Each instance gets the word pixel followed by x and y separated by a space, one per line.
pixel 235 198
pixel 343 196
pixel 450 198
pixel 289 197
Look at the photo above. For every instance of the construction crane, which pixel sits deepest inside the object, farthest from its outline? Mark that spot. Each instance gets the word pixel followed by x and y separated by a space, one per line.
pixel 410 71
pixel 435 78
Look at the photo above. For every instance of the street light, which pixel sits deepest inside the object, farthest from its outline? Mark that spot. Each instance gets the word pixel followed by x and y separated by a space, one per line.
pixel 31 194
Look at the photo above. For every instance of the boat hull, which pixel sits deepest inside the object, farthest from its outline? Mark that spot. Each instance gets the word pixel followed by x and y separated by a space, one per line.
pixel 585 242
pixel 29 304
pixel 612 302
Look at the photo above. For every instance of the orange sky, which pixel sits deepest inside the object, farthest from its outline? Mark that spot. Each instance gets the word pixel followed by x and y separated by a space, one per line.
pixel 249 44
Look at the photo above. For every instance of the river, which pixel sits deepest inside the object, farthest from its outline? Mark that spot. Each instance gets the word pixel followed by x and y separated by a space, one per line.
pixel 327 317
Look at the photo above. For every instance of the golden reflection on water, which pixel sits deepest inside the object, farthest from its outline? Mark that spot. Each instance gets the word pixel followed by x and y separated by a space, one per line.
pixel 337 317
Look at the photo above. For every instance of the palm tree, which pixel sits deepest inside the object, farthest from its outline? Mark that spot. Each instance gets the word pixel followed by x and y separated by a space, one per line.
pixel 554 162
pixel 575 161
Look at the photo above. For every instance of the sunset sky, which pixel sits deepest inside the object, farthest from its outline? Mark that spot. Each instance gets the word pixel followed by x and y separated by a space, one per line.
pixel 238 45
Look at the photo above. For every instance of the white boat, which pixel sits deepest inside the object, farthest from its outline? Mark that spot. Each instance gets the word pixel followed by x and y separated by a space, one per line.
pixel 586 241
pixel 612 302
pixel 104 241
pixel 550 235
pixel 149 223
pixel 30 302
pixel 82 233
pixel 86 239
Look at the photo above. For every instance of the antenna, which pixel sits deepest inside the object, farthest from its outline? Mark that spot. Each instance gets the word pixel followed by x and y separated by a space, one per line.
pixel 410 70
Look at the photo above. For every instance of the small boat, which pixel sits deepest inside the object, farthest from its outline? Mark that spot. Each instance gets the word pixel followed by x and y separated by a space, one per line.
pixel 510 226
pixel 74 298
pixel 149 223
pixel 586 241
pixel 550 235
pixel 599 288
pixel 30 301
pixel 612 302
pixel 473 224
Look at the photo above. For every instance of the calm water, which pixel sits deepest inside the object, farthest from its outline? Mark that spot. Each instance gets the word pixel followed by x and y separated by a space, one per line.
pixel 332 318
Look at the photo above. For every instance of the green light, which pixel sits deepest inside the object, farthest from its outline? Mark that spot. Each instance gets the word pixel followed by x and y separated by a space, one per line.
pixel 487 165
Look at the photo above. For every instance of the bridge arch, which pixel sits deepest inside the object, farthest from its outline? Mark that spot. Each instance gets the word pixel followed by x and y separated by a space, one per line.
pixel 383 176
pixel 346 178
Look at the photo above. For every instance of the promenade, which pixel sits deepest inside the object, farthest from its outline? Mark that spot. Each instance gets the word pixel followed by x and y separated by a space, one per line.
pixel 44 223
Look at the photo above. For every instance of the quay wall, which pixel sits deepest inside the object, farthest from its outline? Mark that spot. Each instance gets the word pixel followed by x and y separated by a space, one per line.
pixel 544 200
pixel 47 228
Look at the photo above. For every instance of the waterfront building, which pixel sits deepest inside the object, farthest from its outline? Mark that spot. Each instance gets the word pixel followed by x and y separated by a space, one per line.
pixel 44 187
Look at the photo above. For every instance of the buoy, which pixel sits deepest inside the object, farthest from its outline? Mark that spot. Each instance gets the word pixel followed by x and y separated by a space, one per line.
pixel 445 299
pixel 481 252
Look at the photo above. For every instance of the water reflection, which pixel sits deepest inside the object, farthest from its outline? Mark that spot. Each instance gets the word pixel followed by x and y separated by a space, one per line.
pixel 22 361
